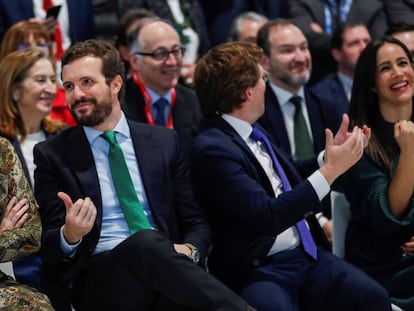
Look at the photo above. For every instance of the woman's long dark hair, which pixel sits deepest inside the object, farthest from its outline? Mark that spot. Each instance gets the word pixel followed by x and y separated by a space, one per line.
pixel 364 106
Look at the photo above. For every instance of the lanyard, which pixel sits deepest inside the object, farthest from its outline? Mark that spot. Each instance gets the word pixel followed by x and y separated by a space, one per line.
pixel 147 99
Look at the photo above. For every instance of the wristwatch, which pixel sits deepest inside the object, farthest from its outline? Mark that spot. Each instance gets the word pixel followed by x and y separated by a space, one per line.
pixel 195 254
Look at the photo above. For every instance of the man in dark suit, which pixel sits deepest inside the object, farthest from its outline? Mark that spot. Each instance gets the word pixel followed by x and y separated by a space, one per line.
pixel 112 266
pixel 288 61
pixel 318 19
pixel 346 45
pixel 80 14
pixel 260 248
pixel 157 58
pixel 398 11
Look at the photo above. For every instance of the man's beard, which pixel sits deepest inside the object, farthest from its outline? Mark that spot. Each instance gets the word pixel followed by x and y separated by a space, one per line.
pixel 98 115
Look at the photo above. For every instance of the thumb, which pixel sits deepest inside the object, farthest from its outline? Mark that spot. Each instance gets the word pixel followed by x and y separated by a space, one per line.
pixel 328 138
pixel 66 199
pixel 344 124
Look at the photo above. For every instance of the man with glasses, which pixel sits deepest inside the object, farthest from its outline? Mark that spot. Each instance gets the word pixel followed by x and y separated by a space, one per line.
pixel 153 94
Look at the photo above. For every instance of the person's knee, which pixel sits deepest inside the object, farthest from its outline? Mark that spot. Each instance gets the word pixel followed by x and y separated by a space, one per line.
pixel 151 242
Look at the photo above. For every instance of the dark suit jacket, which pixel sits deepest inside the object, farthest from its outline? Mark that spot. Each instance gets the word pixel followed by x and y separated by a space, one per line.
pixel 80 17
pixel 399 11
pixel 162 9
pixel 186 111
pixel 330 88
pixel 322 114
pixel 220 14
pixel 65 163
pixel 239 200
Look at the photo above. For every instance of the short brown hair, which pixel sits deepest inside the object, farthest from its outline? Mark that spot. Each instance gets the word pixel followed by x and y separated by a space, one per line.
pixel 112 64
pixel 224 73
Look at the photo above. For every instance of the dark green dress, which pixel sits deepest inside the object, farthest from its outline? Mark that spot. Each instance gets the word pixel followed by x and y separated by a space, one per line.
pixel 374 235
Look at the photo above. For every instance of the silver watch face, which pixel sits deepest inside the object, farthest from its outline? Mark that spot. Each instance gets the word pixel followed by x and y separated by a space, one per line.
pixel 195 255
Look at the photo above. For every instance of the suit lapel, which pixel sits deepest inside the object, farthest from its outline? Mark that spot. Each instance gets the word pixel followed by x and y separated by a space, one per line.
pixel 274 113
pixel 152 170
pixel 84 168
pixel 255 170
pixel 315 120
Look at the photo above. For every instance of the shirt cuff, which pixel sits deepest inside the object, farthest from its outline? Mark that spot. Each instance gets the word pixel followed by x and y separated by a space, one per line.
pixel 321 219
pixel 319 184
pixel 68 249
pixel 321 157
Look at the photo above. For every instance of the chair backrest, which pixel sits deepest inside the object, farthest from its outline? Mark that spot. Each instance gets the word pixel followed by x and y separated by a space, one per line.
pixel 340 219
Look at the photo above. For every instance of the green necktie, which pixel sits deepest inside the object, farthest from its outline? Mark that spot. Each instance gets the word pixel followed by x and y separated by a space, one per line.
pixel 303 143
pixel 133 212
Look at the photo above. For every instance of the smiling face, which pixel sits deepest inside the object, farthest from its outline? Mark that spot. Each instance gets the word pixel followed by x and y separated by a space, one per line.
pixel 92 100
pixel 35 94
pixel 394 80
pixel 289 63
pixel 159 75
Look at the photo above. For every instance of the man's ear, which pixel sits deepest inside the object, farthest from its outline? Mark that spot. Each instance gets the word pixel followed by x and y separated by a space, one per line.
pixel 246 94
pixel 124 53
pixel 265 62
pixel 117 84
pixel 134 62
pixel 337 55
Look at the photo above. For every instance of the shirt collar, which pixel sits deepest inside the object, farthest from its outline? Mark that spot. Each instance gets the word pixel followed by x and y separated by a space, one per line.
pixel 345 80
pixel 243 128
pixel 284 96
pixel 155 96
pixel 121 128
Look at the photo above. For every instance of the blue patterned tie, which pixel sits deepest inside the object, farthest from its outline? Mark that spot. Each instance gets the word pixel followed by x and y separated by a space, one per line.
pixel 160 105
pixel 305 236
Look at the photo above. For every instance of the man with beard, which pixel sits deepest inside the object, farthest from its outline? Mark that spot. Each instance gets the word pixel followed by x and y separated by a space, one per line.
pixel 117 208
pixel 294 116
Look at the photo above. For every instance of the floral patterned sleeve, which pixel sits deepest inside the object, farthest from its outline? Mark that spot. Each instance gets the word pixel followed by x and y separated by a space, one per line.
pixel 21 241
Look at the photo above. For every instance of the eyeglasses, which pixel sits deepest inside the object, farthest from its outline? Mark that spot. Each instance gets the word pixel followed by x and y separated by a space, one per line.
pixel 162 54
pixel 38 45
